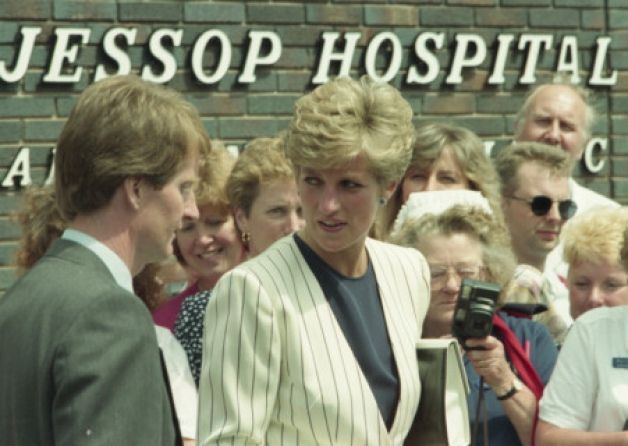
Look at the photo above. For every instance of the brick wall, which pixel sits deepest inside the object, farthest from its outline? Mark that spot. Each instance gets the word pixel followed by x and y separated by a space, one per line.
pixel 32 112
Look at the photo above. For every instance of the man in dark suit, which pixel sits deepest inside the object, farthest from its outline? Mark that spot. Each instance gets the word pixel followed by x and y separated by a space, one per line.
pixel 79 357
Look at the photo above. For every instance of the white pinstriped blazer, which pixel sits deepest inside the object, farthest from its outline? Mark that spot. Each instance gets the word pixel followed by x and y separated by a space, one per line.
pixel 277 369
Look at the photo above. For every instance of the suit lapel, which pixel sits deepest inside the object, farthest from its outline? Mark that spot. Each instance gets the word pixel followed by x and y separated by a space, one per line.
pixel 390 280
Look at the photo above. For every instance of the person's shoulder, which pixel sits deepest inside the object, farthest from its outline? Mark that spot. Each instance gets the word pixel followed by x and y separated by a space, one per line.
pixel 587 198
pixel 166 313
pixel 379 245
pixel 604 316
pixel 272 262
pixel 56 281
pixel 281 251
pixel 523 327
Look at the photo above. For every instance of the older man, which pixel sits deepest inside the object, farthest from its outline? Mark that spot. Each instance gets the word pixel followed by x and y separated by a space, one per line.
pixel 80 362
pixel 560 114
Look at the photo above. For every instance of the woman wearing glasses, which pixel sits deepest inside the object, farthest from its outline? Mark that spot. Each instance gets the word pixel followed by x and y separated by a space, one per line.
pixel 465 242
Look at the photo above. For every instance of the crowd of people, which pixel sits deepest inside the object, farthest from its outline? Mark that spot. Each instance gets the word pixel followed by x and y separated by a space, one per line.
pixel 312 264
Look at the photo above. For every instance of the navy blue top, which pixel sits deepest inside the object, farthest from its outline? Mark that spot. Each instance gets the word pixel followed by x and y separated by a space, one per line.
pixel 543 355
pixel 357 307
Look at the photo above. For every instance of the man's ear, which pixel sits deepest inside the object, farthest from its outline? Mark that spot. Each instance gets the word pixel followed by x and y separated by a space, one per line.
pixel 133 191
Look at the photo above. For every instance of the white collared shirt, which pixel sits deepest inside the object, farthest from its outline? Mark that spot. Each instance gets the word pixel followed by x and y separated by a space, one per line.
pixel 112 261
pixel 588 389
pixel 587 199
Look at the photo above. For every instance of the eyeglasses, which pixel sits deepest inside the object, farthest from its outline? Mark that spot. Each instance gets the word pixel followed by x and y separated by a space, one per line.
pixel 440 273
pixel 541 205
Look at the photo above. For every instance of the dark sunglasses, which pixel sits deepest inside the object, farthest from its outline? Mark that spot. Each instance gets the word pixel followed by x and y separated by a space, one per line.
pixel 541 205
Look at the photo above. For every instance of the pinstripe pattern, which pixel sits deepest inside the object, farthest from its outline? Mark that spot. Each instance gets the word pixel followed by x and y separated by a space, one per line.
pixel 277 368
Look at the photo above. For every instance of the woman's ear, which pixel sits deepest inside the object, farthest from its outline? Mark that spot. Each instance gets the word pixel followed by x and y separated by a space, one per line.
pixel 241 219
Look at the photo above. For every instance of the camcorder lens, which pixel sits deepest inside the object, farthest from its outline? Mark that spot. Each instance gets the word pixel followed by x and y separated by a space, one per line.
pixel 473 315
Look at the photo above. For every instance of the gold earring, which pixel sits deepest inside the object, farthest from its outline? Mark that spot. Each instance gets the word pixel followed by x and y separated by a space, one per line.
pixel 245 237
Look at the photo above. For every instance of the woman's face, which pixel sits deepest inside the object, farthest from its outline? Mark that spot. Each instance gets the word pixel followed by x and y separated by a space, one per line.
pixel 339 207
pixel 210 245
pixel 451 258
pixel 444 174
pixel 593 285
pixel 276 212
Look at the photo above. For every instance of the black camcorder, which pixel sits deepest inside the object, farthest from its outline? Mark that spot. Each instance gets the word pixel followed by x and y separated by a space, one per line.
pixel 473 315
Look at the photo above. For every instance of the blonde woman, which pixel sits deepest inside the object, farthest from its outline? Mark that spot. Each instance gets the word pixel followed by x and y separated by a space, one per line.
pixel 586 402
pixel 592 248
pixel 313 340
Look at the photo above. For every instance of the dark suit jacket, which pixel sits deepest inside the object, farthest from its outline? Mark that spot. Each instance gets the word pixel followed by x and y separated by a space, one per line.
pixel 79 362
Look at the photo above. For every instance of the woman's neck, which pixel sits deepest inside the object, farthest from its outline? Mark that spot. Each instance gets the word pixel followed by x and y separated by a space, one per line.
pixel 206 283
pixel 350 262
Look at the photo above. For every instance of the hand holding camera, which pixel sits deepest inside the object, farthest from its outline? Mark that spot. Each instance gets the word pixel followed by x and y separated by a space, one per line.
pixel 489 362
pixel 472 326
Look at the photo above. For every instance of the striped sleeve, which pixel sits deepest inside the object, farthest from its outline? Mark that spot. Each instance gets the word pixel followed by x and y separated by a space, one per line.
pixel 240 371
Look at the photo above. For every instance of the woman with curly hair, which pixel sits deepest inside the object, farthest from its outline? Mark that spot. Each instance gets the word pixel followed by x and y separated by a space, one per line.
pixel 508 368
pixel 313 340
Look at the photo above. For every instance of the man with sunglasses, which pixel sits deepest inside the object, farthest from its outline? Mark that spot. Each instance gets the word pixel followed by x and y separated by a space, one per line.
pixel 537 201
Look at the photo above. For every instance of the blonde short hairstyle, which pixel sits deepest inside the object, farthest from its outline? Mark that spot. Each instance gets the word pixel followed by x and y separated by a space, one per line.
pixel 467 149
pixel 498 259
pixel 561 79
pixel 344 118
pixel 263 160
pixel 510 158
pixel 596 236
pixel 122 127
